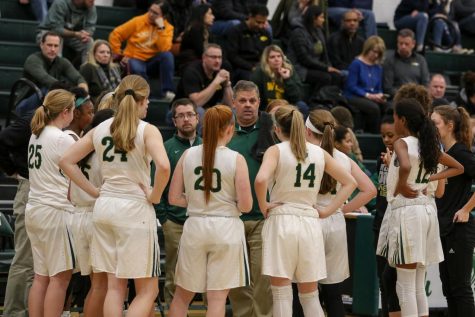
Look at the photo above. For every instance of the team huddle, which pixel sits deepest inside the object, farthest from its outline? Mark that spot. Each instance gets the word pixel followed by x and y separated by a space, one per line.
pixel 90 204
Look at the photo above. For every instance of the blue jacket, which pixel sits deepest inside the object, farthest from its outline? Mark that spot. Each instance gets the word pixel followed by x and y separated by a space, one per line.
pixel 362 79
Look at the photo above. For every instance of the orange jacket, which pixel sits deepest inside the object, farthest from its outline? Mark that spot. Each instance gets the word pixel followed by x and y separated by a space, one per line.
pixel 144 40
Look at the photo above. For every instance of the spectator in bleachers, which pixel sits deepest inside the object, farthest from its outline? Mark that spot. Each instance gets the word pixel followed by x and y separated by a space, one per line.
pixel 404 65
pixel 466 97
pixel 44 68
pixel 277 79
pixel 446 35
pixel 205 82
pixel 100 72
pixel 39 8
pixel 413 14
pixel 228 13
pixel 337 8
pixel 437 86
pixel 309 54
pixel 196 36
pixel 149 41
pixel 464 13
pixel 75 21
pixel 179 16
pixel 344 45
pixel 364 86
pixel 287 16
pixel 246 41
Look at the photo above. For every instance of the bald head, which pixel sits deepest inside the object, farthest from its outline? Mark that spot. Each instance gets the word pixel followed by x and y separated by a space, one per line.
pixel 437 86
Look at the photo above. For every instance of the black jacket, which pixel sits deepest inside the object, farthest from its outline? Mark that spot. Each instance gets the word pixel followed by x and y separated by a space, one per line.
pixel 14 141
pixel 344 48
pixel 244 46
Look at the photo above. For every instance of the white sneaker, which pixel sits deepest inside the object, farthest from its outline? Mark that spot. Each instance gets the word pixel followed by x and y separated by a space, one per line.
pixel 169 96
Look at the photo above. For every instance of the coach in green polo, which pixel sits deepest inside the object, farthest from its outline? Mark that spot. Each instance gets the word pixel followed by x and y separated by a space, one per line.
pixel 172 218
pixel 252 137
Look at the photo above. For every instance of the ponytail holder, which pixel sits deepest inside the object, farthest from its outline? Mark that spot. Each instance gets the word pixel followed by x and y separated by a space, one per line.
pixel 329 123
pixel 129 92
pixel 312 128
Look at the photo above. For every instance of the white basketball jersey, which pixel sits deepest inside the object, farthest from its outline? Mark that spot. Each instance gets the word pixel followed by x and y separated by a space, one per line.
pixel 92 171
pixel 48 184
pixel 223 198
pixel 122 172
pixel 345 162
pixel 418 178
pixel 297 182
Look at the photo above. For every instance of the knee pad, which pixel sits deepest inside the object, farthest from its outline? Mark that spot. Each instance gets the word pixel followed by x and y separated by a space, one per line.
pixel 406 291
pixel 421 298
pixel 282 300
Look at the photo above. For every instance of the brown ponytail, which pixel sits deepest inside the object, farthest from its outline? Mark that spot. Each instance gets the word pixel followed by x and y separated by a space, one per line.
pixel 131 90
pixel 55 102
pixel 324 121
pixel 461 120
pixel 215 122
pixel 290 121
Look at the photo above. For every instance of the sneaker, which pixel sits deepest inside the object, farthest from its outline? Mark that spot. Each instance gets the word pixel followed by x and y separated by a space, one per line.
pixel 169 96
pixel 441 50
pixel 66 314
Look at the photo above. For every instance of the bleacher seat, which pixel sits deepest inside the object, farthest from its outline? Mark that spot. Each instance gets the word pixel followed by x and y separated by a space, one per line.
pixel 15 53
pixel 8 76
pixel 371 145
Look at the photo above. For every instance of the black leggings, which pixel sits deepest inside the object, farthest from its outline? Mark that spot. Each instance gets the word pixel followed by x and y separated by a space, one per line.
pixel 456 269
pixel 330 296
pixel 387 282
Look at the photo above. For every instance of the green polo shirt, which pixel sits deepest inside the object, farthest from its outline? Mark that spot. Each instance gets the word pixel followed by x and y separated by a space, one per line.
pixel 242 142
pixel 175 147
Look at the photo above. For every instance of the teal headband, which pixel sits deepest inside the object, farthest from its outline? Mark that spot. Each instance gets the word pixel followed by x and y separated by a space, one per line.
pixel 80 101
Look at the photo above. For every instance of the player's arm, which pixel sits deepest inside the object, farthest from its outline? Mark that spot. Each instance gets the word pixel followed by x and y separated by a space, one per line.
pixel 400 148
pixel 154 146
pixel 267 169
pixel 367 191
pixel 69 160
pixel 243 185
pixel 176 191
pixel 454 168
pixel 348 185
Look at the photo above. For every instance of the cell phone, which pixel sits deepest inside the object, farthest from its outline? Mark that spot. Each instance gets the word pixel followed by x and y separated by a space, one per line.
pixel 386 96
pixel 160 23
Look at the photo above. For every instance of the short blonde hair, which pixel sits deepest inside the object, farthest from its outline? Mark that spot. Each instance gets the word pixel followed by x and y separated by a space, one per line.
pixel 91 59
pixel 374 43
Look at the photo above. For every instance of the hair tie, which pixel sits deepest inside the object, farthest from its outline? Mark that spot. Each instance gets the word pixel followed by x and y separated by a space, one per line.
pixel 129 92
pixel 312 128
pixel 329 123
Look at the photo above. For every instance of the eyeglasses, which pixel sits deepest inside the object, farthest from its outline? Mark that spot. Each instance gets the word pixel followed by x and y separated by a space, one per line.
pixel 214 56
pixel 188 115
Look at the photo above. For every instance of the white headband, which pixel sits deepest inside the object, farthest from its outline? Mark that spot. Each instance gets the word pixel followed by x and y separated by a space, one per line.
pixel 312 128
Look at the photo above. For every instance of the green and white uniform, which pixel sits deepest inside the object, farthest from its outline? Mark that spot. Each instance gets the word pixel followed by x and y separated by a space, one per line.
pixel 292 238
pixel 212 254
pixel 125 239
pixel 410 229
pixel 48 209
